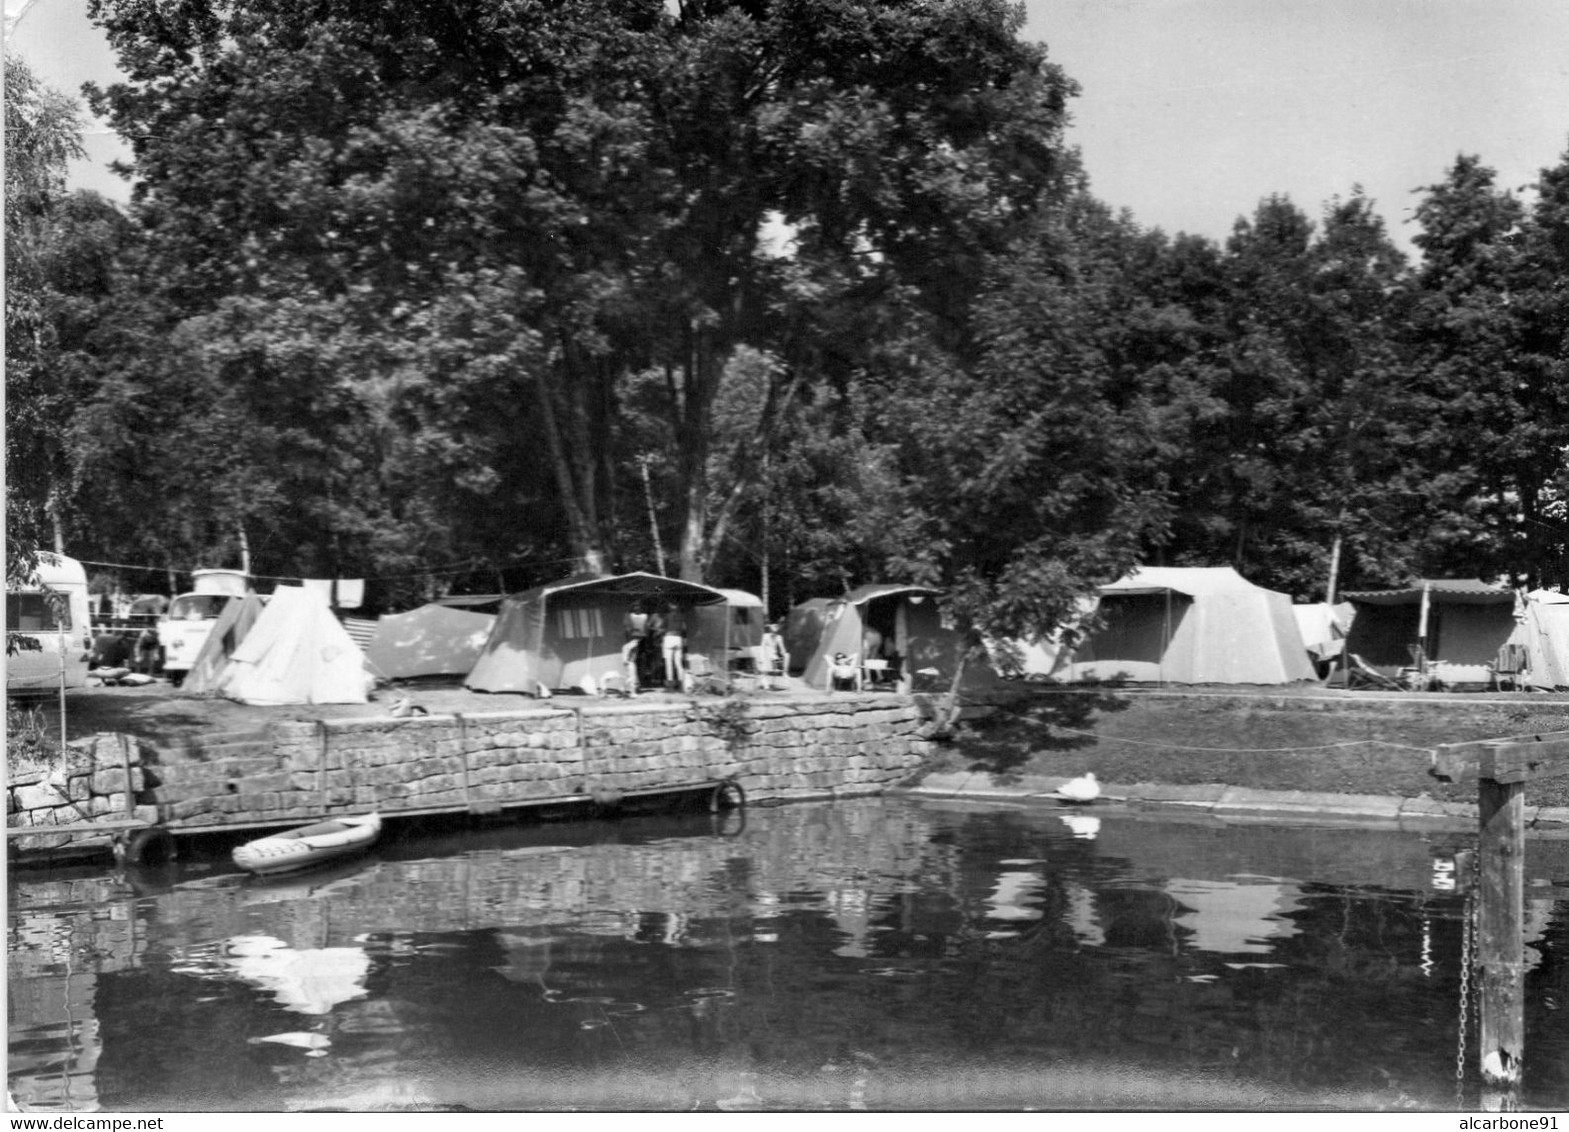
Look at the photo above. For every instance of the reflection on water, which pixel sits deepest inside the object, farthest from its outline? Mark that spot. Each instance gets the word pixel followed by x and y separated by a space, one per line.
pixel 867 954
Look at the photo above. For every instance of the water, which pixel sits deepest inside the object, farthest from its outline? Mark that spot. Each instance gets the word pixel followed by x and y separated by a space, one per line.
pixel 873 954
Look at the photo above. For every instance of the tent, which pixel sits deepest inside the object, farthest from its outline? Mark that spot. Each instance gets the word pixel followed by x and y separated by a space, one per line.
pixel 1324 628
pixel 1192 625
pixel 802 628
pixel 897 623
pixel 433 640
pixel 234 624
pixel 295 653
pixel 1545 633
pixel 570 633
pixel 1466 623
pixel 733 630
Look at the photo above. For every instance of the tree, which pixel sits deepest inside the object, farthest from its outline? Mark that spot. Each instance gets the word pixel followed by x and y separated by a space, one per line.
pixel 42 133
pixel 1489 417
pixel 1035 475
pixel 538 201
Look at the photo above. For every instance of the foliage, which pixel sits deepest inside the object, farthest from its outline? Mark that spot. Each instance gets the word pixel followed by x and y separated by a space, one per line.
pixel 42 133
pixel 404 285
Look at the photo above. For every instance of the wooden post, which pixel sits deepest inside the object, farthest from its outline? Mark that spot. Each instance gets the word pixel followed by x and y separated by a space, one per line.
pixel 1500 932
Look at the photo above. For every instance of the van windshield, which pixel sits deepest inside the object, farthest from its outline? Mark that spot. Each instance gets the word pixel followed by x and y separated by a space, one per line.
pixel 197 607
pixel 36 613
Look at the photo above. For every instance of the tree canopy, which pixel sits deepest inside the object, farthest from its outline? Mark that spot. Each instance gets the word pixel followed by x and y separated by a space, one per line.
pixel 790 294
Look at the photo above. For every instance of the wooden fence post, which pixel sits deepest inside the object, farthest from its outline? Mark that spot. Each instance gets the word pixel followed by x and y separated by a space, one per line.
pixel 1500 931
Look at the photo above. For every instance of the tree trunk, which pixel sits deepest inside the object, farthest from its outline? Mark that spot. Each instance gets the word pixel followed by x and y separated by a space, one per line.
pixel 576 487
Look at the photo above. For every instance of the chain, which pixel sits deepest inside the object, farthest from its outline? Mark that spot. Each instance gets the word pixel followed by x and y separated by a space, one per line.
pixel 1467 962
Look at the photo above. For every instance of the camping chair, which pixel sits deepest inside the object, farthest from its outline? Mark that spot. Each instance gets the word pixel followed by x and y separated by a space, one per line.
pixel 846 672
pixel 879 674
pixel 1506 669
pixel 1361 674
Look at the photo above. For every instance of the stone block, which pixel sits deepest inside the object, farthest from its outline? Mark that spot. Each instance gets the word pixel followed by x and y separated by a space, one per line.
pixel 39 796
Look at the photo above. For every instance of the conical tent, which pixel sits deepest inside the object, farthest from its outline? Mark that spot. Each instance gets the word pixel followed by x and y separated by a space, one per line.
pixel 232 627
pixel 570 633
pixel 295 653
pixel 1193 625
pixel 432 640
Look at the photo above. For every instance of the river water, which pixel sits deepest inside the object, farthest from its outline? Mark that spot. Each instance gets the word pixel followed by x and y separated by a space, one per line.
pixel 875 954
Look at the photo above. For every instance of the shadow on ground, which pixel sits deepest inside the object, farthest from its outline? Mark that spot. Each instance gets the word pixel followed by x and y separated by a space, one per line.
pixel 1059 721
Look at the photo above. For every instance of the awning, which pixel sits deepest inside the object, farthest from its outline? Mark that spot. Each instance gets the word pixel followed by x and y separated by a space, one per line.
pixel 1451 591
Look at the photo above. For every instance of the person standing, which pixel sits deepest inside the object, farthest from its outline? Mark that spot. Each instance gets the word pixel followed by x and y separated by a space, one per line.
pixel 675 648
pixel 774 661
pixel 636 631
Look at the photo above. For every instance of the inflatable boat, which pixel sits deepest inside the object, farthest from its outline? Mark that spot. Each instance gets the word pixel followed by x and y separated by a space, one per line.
pixel 309 845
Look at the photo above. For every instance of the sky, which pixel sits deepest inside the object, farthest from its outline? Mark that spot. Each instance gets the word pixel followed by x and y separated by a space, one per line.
pixel 1192 111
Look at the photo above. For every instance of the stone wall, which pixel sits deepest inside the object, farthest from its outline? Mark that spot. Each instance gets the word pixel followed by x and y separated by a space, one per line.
pixel 88 785
pixel 300 771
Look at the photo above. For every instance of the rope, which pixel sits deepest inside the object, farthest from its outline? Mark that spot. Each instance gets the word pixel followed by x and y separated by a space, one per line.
pixel 1207 750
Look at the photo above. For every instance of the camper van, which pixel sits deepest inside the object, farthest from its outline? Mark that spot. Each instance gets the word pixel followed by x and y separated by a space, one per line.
pixel 49 624
pixel 185 628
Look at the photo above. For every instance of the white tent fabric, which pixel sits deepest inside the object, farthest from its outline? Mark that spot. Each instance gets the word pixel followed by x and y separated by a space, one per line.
pixel 295 653
pixel 1545 633
pixel 432 640
pixel 1324 627
pixel 1193 625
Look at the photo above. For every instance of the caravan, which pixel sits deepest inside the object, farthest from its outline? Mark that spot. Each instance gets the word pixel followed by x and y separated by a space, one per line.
pixel 48 634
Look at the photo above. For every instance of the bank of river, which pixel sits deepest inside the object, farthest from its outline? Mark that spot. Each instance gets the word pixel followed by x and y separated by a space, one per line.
pixel 1288 751
pixel 1301 744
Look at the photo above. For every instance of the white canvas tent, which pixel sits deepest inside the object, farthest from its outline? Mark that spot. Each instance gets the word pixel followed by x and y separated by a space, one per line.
pixel 569 634
pixel 234 624
pixel 295 653
pixel 1192 625
pixel 433 640
pixel 1544 631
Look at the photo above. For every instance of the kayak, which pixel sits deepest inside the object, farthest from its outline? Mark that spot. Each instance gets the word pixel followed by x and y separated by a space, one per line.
pixel 308 845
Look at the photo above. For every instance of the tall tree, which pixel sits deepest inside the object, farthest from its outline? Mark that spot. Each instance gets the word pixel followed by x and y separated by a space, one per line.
pixel 1489 420
pixel 549 198
pixel 42 133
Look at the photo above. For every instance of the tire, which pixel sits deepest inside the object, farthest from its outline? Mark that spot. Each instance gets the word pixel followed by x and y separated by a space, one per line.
pixel 153 845
pixel 727 795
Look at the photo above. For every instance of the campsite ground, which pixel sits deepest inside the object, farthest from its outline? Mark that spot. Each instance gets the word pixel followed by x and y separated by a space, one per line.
pixel 1294 737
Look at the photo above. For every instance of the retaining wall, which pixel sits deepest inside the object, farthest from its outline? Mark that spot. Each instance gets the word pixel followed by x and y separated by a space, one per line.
pixel 301 771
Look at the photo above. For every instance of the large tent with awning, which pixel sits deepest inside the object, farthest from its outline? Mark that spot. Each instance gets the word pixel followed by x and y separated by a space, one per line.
pixel 569 634
pixel 1459 623
pixel 1191 625
pixel 900 624
pixel 295 653
pixel 433 640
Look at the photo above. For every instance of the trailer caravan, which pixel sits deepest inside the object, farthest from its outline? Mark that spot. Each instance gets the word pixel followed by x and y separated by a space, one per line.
pixel 48 630
pixel 191 617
